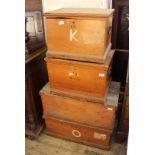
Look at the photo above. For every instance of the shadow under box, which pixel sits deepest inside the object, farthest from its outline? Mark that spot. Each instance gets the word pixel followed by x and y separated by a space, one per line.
pixel 34 31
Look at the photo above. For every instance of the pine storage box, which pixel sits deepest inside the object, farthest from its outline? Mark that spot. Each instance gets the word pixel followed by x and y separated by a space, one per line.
pixel 78 33
pixel 91 79
pixel 79 120
pixel 77 110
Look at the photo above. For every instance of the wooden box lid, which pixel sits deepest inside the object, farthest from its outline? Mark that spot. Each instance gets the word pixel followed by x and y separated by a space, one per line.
pixel 80 12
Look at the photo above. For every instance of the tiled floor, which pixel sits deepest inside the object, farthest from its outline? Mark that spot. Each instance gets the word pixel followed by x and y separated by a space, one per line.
pixel 47 145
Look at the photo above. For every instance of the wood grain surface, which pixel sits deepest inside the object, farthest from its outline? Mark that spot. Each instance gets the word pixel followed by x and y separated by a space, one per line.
pixel 79 35
pixel 86 78
pixel 90 113
pixel 79 133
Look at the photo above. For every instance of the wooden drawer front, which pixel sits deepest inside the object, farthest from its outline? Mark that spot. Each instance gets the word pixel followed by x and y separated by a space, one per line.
pixel 77 132
pixel 78 36
pixel 94 114
pixel 88 78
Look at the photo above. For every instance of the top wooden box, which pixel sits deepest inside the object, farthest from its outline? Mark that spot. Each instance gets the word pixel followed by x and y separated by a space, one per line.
pixel 78 33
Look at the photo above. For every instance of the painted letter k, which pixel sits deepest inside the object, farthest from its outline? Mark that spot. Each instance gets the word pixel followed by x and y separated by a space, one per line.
pixel 72 35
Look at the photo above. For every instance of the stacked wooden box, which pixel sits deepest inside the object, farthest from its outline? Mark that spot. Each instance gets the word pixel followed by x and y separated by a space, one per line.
pixel 79 62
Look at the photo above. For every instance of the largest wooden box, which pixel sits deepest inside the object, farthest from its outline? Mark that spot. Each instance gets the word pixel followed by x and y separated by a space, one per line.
pixel 77 119
pixel 78 32
pixel 77 110
pixel 80 77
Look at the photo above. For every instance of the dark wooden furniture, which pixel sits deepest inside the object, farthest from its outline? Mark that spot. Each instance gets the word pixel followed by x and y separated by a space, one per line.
pixel 35 67
pixel 120 40
pixel 35 30
pixel 35 79
pixel 123 123
pixel 34 27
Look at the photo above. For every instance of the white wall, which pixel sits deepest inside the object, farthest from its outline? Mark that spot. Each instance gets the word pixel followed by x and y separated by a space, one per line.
pixel 49 5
